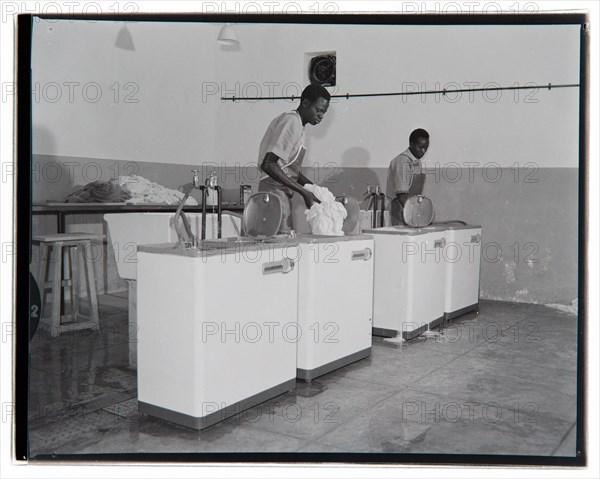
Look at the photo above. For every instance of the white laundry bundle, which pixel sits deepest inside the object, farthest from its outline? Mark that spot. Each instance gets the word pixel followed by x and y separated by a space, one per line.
pixel 144 191
pixel 327 217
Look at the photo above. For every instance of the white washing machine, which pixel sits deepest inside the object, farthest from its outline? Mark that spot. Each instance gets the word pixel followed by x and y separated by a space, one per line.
pixel 410 276
pixel 216 330
pixel 463 257
pixel 217 323
pixel 335 302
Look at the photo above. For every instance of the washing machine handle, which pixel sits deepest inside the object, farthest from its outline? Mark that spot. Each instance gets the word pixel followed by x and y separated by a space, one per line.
pixel 284 266
pixel 440 243
pixel 364 254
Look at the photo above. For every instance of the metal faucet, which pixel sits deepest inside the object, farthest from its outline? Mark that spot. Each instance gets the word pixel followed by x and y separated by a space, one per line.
pixel 375 196
pixel 343 199
pixel 211 182
pixel 219 191
pixel 196 179
pixel 375 204
pixel 382 208
pixel 187 239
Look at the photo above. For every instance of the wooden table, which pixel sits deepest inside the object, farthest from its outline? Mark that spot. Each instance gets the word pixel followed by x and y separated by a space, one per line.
pixel 62 210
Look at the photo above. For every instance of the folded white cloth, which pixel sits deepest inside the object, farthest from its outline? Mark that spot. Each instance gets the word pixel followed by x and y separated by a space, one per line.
pixel 327 217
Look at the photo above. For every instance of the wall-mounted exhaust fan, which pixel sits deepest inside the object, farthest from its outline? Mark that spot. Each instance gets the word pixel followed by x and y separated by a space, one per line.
pixel 321 70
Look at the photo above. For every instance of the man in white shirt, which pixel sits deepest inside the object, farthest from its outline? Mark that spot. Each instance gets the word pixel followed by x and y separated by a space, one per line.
pixel 405 177
pixel 282 151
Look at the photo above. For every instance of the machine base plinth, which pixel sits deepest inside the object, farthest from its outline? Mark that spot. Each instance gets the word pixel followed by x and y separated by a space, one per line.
pixel 385 333
pixel 461 311
pixel 309 374
pixel 408 335
pixel 203 422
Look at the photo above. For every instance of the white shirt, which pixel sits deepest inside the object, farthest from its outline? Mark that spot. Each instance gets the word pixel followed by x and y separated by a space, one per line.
pixel 285 138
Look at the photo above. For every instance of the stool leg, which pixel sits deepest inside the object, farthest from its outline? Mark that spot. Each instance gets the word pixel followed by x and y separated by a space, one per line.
pixel 43 274
pixel 91 285
pixel 40 265
pixel 66 281
pixel 74 273
pixel 56 290
pixel 66 278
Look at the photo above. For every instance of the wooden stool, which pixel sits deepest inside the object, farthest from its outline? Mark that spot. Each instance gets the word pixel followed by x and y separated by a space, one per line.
pixel 71 244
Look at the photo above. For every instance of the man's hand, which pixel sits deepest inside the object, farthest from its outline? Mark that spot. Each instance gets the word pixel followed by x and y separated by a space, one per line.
pixel 310 199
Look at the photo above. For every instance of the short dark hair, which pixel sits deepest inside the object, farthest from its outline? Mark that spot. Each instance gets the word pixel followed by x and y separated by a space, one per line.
pixel 418 133
pixel 313 92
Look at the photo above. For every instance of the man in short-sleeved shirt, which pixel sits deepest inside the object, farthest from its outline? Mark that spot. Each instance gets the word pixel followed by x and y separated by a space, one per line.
pixel 284 138
pixel 405 176
pixel 282 150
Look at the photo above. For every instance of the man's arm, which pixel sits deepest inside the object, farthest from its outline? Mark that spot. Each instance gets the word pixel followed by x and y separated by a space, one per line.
pixel 303 180
pixel 272 168
pixel 400 177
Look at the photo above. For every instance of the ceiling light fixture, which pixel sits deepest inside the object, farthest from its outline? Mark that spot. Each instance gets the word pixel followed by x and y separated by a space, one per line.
pixel 227 35
pixel 124 39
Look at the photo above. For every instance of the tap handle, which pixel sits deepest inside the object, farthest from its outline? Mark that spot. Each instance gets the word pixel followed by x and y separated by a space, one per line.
pixel 196 178
pixel 211 181
pixel 343 199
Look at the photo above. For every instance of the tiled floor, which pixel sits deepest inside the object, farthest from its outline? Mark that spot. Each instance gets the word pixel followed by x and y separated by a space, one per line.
pixel 499 382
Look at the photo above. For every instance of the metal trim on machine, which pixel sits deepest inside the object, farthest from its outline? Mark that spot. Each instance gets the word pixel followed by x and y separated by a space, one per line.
pixel 308 375
pixel 461 311
pixel 385 333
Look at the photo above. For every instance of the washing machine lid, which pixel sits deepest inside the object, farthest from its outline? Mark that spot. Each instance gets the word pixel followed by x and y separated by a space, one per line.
pixel 418 211
pixel 350 225
pixel 262 215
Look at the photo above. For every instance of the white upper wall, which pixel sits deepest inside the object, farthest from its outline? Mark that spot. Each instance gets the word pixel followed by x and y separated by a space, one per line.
pixel 149 106
pixel 180 74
